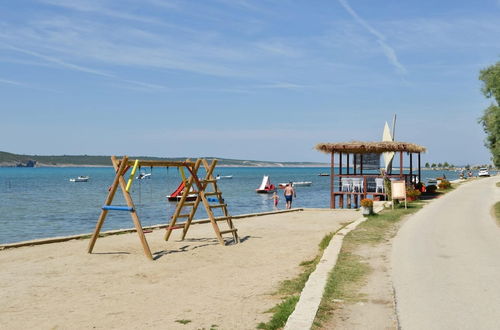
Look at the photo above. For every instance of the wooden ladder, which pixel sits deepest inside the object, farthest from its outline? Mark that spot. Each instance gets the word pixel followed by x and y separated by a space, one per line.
pixel 188 209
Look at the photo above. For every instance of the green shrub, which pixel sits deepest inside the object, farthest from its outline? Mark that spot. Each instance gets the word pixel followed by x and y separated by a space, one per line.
pixel 444 184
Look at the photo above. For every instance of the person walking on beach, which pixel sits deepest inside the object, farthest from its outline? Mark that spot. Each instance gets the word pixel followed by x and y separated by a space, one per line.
pixel 289 193
pixel 275 199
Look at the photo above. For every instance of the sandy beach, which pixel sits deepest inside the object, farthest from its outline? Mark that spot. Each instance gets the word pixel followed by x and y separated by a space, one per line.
pixel 60 286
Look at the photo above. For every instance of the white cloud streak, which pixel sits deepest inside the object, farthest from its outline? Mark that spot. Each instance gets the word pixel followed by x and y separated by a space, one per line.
pixel 10 82
pixel 381 39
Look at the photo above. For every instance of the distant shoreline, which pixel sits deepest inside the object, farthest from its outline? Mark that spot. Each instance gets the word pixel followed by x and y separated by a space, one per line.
pixel 228 166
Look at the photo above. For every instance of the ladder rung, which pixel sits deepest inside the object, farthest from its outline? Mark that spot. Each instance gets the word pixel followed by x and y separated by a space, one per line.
pixel 217 205
pixel 212 193
pixel 176 227
pixel 228 231
pixel 222 218
pixel 208 181
pixel 188 204
pixel 185 215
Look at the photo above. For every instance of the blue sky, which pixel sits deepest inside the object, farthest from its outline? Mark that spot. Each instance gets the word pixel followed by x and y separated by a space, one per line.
pixel 243 79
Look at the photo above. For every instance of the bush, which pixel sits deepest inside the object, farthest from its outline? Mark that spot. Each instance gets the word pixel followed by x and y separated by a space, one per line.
pixel 366 202
pixel 413 193
pixel 431 189
pixel 444 184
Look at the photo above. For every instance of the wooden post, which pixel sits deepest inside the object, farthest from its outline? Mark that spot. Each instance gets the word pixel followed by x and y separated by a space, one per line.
pixel 401 164
pixel 354 163
pixel 347 163
pixel 411 167
pixel 109 199
pixel 419 168
pixel 135 217
pixel 332 175
pixel 341 196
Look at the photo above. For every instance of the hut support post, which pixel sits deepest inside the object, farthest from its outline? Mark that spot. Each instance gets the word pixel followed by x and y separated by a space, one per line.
pixel 332 176
pixel 401 164
pixel 419 169
pixel 411 167
pixel 341 196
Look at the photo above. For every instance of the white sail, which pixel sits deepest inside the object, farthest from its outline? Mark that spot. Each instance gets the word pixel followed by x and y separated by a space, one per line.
pixel 388 156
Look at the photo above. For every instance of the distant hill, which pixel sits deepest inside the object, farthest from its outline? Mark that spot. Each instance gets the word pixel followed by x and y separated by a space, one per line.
pixel 12 160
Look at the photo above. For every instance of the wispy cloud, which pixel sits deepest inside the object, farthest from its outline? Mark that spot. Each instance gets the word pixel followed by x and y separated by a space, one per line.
pixel 282 85
pixel 381 39
pixel 57 61
pixel 10 82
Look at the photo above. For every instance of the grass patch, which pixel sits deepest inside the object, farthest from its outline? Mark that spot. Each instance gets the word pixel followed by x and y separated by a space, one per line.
pixel 496 211
pixel 290 290
pixel 351 271
pixel 183 321
pixel 281 313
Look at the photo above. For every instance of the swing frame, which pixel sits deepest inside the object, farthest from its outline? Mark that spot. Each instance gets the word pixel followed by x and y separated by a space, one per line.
pixel 122 166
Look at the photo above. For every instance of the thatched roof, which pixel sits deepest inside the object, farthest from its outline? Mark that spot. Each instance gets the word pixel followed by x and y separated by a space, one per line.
pixel 359 147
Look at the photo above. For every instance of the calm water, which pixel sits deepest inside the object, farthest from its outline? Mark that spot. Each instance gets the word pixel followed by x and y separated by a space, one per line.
pixel 41 202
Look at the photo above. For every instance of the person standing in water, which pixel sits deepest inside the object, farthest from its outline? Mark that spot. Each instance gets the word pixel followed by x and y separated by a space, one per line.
pixel 275 199
pixel 289 193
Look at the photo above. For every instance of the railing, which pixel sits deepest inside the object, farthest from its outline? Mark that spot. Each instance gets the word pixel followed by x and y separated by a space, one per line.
pixel 347 197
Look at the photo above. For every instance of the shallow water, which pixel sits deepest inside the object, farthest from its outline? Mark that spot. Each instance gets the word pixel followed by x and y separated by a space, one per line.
pixel 42 202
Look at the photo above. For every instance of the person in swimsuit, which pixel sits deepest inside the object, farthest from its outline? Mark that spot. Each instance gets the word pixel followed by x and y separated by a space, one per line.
pixel 289 193
pixel 275 198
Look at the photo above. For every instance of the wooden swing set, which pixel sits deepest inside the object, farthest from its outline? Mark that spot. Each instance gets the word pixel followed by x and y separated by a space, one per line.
pixel 184 209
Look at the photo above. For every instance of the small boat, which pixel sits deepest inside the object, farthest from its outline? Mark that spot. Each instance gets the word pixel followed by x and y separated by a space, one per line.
pixel 177 194
pixel 219 177
pixel 432 181
pixel 143 176
pixel 266 186
pixel 189 198
pixel 80 179
pixel 324 174
pixel 296 184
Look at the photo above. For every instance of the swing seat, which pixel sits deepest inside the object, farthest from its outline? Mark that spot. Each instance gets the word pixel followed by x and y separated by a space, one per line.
pixel 117 208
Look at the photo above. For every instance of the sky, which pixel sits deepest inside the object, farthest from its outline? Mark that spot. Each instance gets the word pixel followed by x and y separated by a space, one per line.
pixel 262 80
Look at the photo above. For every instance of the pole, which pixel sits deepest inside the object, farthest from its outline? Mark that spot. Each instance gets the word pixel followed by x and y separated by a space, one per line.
pixel 332 175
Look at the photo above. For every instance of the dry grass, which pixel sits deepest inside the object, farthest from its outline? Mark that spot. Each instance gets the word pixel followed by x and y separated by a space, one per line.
pixel 361 147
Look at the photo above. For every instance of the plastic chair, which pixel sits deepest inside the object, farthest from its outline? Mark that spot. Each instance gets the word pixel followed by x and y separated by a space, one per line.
pixel 357 184
pixel 379 185
pixel 346 184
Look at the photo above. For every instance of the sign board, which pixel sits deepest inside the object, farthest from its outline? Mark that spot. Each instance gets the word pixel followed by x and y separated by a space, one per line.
pixel 398 189
pixel 370 161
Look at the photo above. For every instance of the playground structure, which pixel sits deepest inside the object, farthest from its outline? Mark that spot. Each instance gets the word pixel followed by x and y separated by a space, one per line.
pixel 193 185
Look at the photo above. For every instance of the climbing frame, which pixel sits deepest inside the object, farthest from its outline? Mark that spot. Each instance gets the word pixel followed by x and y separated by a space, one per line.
pixel 186 209
pixel 122 166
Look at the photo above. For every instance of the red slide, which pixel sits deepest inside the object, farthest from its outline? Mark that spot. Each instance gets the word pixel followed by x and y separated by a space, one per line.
pixel 178 190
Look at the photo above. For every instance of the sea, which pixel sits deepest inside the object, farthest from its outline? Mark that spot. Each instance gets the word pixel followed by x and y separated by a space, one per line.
pixel 42 202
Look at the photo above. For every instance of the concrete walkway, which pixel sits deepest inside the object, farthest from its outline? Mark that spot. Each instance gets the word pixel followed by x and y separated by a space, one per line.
pixel 310 297
pixel 446 262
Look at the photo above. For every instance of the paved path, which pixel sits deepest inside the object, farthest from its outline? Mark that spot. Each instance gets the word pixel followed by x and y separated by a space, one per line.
pixel 446 262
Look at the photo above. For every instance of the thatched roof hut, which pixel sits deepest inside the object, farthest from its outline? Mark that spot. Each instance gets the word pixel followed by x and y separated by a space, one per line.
pixel 361 147
pixel 366 155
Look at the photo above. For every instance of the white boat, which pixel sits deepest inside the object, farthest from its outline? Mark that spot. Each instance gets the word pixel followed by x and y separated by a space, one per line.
pixel 80 179
pixel 143 176
pixel 219 177
pixel 297 184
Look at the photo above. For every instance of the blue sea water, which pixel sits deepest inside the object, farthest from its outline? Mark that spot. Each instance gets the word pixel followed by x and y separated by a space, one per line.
pixel 42 202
